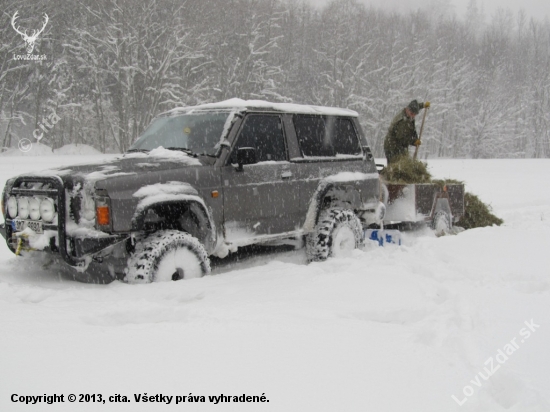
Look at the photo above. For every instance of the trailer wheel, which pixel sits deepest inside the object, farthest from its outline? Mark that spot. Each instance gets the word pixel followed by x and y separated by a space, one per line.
pixel 441 223
pixel 337 232
pixel 167 255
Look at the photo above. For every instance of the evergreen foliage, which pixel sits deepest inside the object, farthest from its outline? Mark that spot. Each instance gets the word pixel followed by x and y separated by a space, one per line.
pixel 477 213
pixel 405 170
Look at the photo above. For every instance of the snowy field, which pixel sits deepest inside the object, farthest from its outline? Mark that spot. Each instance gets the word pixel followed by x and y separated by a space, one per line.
pixel 388 329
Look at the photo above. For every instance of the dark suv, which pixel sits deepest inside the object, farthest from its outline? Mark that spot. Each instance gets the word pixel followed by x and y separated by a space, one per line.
pixel 203 181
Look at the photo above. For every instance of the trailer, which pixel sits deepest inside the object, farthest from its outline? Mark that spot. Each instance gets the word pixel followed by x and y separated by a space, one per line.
pixel 418 205
pixel 409 206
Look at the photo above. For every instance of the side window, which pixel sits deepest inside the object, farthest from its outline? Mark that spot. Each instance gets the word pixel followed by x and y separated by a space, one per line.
pixel 265 134
pixel 325 135
pixel 312 136
pixel 345 138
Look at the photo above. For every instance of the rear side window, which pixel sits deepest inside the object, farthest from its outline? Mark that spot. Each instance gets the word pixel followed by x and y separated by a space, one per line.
pixel 312 138
pixel 326 136
pixel 345 139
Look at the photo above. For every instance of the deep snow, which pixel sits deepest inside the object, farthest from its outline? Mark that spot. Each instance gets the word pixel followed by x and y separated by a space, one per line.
pixel 387 329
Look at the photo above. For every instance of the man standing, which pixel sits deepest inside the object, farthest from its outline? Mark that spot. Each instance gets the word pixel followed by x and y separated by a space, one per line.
pixel 402 131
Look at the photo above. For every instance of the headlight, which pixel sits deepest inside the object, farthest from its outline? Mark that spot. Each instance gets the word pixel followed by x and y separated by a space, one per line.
pixel 34 208
pixel 47 209
pixel 23 207
pixel 12 207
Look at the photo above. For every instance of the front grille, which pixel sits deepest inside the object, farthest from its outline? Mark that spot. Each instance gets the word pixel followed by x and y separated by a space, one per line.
pixel 27 188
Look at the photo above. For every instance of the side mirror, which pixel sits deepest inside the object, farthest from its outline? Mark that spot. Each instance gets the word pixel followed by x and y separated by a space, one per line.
pixel 245 156
pixel 368 153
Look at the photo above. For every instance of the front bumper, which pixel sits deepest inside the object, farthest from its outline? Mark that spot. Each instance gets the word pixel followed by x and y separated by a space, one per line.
pixel 76 247
pixel 90 246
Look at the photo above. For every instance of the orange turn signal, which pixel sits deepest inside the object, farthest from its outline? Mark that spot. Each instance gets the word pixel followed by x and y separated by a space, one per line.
pixel 102 215
pixel 215 194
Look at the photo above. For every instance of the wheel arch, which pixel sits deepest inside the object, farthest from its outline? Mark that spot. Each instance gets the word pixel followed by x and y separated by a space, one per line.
pixel 190 216
pixel 331 195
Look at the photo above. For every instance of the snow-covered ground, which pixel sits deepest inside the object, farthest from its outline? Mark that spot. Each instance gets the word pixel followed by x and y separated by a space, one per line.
pixel 387 329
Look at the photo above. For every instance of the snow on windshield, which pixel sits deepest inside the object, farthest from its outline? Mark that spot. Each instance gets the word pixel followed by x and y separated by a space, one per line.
pixel 198 132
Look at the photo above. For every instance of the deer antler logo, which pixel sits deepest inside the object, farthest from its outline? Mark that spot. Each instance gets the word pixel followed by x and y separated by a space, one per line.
pixel 29 40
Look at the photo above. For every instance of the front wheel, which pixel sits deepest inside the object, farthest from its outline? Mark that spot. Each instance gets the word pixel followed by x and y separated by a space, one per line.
pixel 167 255
pixel 337 233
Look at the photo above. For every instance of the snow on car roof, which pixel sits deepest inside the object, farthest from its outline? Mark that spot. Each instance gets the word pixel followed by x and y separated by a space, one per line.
pixel 243 105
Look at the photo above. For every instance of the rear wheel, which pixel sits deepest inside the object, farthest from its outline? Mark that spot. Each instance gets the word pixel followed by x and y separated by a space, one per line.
pixel 441 223
pixel 337 233
pixel 165 256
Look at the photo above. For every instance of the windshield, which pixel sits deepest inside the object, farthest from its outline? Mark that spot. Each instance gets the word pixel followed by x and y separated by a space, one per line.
pixel 199 133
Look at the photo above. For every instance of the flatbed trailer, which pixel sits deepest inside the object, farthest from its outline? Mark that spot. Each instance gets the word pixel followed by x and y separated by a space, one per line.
pixel 409 206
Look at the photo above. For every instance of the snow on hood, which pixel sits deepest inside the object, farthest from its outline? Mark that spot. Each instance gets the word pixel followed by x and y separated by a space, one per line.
pixel 243 105
pixel 124 165
pixel 106 172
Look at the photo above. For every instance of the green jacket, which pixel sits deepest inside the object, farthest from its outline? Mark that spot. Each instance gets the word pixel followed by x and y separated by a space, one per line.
pixel 401 135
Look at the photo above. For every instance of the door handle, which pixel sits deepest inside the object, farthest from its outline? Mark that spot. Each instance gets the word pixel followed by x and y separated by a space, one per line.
pixel 286 175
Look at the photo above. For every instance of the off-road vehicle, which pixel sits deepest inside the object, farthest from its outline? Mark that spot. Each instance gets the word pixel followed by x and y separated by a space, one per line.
pixel 202 181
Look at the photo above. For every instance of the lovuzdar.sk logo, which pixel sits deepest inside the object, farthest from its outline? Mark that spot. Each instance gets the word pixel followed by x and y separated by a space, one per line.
pixel 29 39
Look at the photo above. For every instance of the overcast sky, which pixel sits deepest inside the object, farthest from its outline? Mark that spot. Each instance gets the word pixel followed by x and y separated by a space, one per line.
pixel 534 8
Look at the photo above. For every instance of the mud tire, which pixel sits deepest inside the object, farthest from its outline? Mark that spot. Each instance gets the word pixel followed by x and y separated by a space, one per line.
pixel 167 255
pixel 337 231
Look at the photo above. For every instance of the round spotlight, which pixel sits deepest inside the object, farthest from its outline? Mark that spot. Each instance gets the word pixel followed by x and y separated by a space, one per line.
pixel 34 208
pixel 47 209
pixel 12 207
pixel 23 207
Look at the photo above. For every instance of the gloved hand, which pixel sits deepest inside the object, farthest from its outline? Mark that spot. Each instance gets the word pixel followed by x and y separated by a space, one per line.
pixel 426 105
pixel 417 142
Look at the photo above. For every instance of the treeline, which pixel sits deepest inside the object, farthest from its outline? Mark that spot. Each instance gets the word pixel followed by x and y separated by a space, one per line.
pixel 111 65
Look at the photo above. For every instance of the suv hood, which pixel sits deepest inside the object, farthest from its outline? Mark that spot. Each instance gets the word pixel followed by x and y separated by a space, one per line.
pixel 128 164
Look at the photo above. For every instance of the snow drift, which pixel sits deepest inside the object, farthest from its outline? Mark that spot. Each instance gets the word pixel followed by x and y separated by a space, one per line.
pixel 411 328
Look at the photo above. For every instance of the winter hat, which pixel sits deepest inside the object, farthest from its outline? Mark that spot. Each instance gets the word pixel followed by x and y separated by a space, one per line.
pixel 414 107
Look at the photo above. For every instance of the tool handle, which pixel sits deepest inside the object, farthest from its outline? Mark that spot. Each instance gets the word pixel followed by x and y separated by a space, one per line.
pixel 421 129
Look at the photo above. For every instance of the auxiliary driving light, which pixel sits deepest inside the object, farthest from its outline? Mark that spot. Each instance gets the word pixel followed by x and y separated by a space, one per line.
pixel 23 207
pixel 34 208
pixel 12 207
pixel 47 209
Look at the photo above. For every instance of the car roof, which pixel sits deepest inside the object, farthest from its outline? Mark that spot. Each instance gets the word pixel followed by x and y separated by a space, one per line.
pixel 240 105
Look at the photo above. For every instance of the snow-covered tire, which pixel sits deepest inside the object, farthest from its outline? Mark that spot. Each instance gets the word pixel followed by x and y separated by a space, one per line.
pixel 337 232
pixel 167 255
pixel 441 223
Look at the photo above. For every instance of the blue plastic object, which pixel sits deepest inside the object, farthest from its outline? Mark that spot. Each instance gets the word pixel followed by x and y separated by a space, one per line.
pixel 384 236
